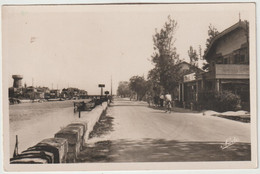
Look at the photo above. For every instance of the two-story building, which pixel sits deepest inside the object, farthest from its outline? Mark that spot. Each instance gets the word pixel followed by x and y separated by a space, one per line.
pixel 228 58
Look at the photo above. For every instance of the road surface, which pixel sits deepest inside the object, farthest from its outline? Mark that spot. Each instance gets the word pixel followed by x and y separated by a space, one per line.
pixel 133 132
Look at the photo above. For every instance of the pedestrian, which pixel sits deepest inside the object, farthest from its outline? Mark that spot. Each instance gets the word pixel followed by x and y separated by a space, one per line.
pixel 168 101
pixel 149 100
pixel 161 100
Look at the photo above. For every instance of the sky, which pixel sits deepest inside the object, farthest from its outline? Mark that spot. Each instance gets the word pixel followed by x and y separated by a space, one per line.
pixel 85 45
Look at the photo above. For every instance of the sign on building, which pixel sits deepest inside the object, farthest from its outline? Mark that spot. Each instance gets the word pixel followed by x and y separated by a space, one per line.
pixel 189 77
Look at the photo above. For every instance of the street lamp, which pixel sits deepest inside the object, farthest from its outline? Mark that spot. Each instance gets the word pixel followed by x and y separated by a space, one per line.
pixel 101 86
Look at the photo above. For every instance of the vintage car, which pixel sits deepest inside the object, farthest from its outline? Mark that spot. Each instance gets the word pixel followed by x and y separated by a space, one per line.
pixel 83 106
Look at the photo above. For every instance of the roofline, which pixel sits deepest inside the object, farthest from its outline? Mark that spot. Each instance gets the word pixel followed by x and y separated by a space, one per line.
pixel 183 62
pixel 190 65
pixel 224 32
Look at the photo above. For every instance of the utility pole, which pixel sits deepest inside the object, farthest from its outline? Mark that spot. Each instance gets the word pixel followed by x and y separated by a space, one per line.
pixel 111 92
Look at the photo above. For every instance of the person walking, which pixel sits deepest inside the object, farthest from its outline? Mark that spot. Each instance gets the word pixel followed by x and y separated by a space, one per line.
pixel 149 99
pixel 161 100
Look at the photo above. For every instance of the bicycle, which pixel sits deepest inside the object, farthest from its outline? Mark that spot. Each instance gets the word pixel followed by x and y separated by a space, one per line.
pixel 168 106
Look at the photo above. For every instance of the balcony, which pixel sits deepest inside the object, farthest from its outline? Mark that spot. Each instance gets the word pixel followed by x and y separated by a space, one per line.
pixel 231 71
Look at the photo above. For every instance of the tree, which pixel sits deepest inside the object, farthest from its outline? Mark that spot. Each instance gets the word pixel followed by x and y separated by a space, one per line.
pixel 212 33
pixel 123 89
pixel 165 56
pixel 139 86
pixel 200 52
pixel 247 37
pixel 193 56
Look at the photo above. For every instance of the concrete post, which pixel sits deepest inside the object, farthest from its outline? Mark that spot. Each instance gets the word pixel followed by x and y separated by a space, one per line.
pixel 217 85
pixel 197 90
pixel 179 92
pixel 182 91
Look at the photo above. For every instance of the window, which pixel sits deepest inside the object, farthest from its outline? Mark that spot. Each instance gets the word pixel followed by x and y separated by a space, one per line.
pixel 219 60
pixel 242 58
pixel 239 59
pixel 225 60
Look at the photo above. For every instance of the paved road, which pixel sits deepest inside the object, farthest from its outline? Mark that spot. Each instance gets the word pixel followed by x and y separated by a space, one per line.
pixel 133 132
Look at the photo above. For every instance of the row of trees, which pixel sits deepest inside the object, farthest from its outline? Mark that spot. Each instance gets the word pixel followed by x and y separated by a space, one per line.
pixel 137 86
pixel 165 75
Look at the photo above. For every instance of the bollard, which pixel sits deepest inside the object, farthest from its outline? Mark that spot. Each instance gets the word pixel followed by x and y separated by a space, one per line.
pixel 79 113
pixel 81 128
pixel 31 160
pixel 58 146
pixel 37 154
pixel 72 134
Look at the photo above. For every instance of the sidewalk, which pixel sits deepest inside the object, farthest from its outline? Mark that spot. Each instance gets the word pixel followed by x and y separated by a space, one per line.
pixel 175 109
pixel 241 116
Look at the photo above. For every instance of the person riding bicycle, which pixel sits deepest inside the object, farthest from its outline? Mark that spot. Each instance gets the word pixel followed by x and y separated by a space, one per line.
pixel 168 100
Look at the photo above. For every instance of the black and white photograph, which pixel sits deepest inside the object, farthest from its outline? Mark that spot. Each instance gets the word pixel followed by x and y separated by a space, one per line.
pixel 90 87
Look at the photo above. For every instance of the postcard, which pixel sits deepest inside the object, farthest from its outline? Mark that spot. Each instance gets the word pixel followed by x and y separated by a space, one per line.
pixel 136 86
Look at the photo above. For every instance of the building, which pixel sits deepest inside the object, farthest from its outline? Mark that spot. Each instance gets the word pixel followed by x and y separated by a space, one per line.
pixel 71 93
pixel 54 93
pixel 83 94
pixel 188 87
pixel 43 92
pixel 228 59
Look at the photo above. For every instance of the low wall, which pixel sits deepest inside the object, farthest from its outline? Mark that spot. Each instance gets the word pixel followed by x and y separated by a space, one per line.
pixel 92 118
pixel 67 142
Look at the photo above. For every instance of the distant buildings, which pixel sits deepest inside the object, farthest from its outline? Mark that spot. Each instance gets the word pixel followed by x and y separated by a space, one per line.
pixel 23 92
pixel 54 93
pixel 73 93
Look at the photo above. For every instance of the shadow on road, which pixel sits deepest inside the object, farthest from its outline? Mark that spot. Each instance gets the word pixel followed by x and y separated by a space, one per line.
pixel 160 150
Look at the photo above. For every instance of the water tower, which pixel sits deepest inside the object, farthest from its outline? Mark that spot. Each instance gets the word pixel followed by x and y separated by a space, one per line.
pixel 17 81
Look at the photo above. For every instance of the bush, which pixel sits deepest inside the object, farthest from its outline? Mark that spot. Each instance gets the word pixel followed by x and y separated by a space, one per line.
pixel 196 106
pixel 177 103
pixel 227 101
pixel 221 102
